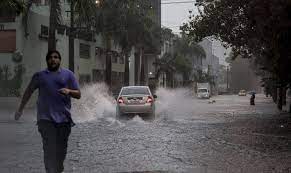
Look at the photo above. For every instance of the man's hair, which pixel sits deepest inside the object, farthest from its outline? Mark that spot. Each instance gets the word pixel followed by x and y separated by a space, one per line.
pixel 49 53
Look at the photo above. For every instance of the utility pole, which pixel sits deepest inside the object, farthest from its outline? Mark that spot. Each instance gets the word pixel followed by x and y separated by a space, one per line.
pixel 227 69
pixel 71 39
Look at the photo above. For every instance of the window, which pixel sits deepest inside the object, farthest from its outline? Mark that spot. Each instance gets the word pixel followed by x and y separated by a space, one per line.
pixel 121 60
pixel 37 2
pixel 61 29
pixel 9 45
pixel 7 15
pixel 41 2
pixel 84 78
pixel 135 90
pixel 84 51
pixel 44 31
pixel 97 75
pixel 114 75
pixel 114 59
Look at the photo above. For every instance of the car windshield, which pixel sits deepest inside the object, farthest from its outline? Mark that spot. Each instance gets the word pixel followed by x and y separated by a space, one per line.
pixel 135 90
pixel 202 90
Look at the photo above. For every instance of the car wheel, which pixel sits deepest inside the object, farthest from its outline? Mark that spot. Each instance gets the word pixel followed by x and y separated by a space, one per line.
pixel 118 115
pixel 151 116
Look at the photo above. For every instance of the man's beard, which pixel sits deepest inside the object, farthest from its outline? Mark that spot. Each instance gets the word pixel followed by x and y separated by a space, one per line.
pixel 53 68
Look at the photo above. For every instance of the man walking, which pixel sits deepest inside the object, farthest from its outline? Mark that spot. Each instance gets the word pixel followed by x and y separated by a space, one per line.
pixel 56 86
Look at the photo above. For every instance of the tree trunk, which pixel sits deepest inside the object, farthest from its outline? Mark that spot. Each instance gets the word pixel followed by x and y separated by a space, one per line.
pixel 284 96
pixel 142 67
pixel 126 70
pixel 53 20
pixel 71 40
pixel 280 100
pixel 138 63
pixel 108 62
pixel 274 94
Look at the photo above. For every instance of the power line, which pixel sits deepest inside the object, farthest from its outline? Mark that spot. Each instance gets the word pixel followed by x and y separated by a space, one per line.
pixel 177 2
pixel 177 26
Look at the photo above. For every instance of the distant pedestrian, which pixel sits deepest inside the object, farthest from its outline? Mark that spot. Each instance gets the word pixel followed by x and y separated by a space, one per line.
pixel 252 99
pixel 56 86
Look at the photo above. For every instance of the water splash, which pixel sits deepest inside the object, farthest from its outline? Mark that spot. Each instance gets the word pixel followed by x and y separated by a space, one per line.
pixel 173 103
pixel 96 103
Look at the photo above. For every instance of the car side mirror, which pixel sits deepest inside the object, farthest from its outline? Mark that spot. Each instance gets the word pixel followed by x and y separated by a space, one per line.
pixel 155 96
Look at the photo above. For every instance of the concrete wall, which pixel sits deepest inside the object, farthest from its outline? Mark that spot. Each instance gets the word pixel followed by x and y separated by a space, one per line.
pixel 132 68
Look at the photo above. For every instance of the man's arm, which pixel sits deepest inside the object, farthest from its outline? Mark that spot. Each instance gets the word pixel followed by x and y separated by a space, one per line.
pixel 73 93
pixel 26 96
pixel 73 89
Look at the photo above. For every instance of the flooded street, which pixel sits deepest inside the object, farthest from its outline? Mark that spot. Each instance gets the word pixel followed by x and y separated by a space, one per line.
pixel 188 135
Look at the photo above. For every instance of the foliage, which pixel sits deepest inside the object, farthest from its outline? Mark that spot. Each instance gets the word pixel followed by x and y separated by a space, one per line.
pixel 16 5
pixel 128 22
pixel 183 65
pixel 254 29
pixel 85 13
pixel 181 56
pixel 185 47
pixel 11 85
pixel 167 34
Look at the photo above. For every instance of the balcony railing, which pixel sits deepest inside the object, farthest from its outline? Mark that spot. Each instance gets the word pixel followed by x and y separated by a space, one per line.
pixel 9 19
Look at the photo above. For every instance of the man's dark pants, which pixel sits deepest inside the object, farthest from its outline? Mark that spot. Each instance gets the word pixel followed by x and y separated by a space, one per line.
pixel 55 142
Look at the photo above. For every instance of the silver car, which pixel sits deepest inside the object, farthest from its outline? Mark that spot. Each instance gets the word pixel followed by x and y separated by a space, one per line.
pixel 135 100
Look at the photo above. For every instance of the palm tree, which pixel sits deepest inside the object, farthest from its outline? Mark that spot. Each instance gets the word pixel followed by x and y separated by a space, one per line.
pixel 54 20
pixel 129 25
pixel 17 5
pixel 82 13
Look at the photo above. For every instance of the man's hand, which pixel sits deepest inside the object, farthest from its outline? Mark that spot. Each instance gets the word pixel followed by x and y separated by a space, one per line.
pixel 64 91
pixel 73 93
pixel 17 115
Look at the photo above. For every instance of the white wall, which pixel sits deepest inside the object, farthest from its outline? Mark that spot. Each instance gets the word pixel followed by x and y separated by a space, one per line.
pixel 132 68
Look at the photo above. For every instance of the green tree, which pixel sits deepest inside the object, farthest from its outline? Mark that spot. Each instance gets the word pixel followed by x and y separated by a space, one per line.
pixel 82 12
pixel 181 57
pixel 254 29
pixel 18 6
pixel 129 24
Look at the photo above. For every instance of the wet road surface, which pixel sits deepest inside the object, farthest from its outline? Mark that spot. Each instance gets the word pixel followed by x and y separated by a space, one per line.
pixel 188 135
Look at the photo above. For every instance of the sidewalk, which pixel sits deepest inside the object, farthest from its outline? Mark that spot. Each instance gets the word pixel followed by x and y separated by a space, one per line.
pixel 7 115
pixel 20 137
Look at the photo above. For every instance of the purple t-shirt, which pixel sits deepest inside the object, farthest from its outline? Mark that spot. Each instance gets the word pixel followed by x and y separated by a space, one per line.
pixel 51 104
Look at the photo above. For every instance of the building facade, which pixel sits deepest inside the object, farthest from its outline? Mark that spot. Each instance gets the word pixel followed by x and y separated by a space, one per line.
pixel 26 46
pixel 210 64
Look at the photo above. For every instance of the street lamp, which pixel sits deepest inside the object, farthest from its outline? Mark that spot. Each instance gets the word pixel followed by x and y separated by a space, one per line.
pixel 227 80
pixel 97 2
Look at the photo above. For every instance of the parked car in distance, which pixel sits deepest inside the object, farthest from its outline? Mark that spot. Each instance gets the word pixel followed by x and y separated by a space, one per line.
pixel 135 100
pixel 203 90
pixel 242 93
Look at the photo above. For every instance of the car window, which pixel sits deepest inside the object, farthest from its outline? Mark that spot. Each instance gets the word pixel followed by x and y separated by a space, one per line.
pixel 135 90
pixel 202 90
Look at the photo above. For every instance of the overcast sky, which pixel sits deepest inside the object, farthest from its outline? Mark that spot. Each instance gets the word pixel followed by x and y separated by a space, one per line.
pixel 174 15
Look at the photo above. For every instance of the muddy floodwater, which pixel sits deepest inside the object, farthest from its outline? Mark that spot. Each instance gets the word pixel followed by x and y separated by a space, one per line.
pixel 223 134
